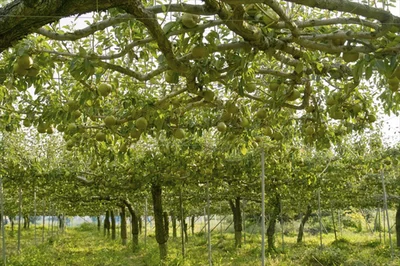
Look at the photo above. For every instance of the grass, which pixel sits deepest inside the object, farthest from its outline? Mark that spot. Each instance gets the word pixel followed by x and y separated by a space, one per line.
pixel 86 246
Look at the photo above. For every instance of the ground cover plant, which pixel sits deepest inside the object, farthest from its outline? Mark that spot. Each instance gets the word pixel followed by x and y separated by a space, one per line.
pixel 85 245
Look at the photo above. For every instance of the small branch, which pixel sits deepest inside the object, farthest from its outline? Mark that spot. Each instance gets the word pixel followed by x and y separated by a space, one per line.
pixel 171 95
pixel 148 18
pixel 281 13
pixel 306 99
pixel 128 72
pixel 328 48
pixel 72 36
pixel 84 180
pixel 327 22
pixel 275 73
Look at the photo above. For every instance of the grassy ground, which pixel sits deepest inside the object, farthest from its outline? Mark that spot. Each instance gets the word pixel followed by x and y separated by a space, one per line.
pixel 85 246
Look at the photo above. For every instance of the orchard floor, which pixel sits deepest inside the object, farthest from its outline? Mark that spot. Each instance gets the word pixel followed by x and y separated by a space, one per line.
pixel 85 246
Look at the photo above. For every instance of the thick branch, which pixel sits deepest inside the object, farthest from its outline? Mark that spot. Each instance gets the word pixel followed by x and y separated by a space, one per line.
pixel 327 22
pixel 281 13
pixel 350 7
pixel 235 21
pixel 72 36
pixel 149 19
pixel 18 20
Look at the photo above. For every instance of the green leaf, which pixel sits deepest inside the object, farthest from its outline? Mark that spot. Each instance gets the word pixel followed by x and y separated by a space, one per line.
pixel 243 150
pixel 169 26
pixel 368 72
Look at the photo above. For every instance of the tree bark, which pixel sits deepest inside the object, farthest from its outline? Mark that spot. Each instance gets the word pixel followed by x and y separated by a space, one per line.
pixel 140 223
pixel 185 227
pixel 61 221
pixel 98 223
pixel 134 223
pixel 398 225
pixel 192 223
pixel 166 224
pixel 12 223
pixel 113 228
pixel 161 235
pixel 123 226
pixel 107 224
pixel 302 223
pixel 33 14
pixel 237 221
pixel 272 223
pixel 173 220
pixel 26 222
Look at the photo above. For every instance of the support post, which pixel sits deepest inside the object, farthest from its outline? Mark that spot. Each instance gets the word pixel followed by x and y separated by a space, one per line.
pixel 387 214
pixel 19 219
pixel 282 229
pixel 35 214
pixel 208 226
pixel 43 219
pixel 244 221
pixel 262 208
pixel 3 233
pixel 145 222
pixel 182 223
pixel 319 217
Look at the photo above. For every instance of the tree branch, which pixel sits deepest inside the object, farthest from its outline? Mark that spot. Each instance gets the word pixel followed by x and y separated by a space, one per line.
pixel 18 20
pixel 72 36
pixel 350 7
pixel 148 18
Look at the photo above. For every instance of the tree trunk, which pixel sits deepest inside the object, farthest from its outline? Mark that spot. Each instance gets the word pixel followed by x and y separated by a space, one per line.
pixel 302 223
pixel 166 224
pixel 173 219
pixel 140 224
pixel 26 222
pixel 98 223
pixel 113 229
pixel 161 235
pixel 185 227
pixel 272 223
pixel 237 221
pixel 107 224
pixel 12 224
pixel 61 221
pixel 134 223
pixel 123 226
pixel 398 225
pixel 192 224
